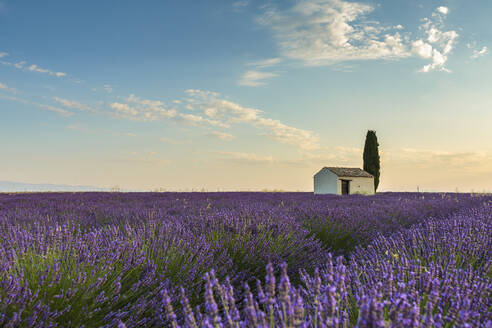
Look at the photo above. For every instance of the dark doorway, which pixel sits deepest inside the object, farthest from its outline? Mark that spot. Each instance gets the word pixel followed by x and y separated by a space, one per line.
pixel 345 187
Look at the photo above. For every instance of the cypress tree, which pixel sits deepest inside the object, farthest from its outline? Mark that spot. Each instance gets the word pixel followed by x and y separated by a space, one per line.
pixel 371 156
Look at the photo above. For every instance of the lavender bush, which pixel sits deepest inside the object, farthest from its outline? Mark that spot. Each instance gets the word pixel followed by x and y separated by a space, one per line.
pixel 138 259
pixel 400 281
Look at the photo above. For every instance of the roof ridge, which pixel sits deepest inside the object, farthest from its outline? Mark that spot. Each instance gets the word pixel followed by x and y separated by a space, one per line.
pixel 349 171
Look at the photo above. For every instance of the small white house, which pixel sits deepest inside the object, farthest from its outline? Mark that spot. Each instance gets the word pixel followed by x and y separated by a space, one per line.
pixel 343 181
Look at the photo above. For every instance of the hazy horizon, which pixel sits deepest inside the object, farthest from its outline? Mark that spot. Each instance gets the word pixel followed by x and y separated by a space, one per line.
pixel 19 187
pixel 245 95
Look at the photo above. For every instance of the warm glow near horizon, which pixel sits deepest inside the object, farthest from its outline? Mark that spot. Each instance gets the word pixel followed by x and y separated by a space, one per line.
pixel 237 95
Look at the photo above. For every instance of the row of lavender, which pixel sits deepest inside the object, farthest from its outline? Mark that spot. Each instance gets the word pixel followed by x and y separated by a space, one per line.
pixel 98 258
pixel 436 274
pixel 340 223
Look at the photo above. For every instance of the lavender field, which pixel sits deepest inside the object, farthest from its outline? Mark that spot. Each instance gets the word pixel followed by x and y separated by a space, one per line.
pixel 245 260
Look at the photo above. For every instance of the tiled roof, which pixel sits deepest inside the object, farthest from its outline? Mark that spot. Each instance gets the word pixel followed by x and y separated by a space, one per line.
pixel 349 172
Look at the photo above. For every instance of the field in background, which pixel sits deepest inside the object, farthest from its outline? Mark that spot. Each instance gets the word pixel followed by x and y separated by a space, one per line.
pixel 139 259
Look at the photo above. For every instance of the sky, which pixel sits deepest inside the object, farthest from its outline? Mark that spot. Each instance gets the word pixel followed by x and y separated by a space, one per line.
pixel 244 94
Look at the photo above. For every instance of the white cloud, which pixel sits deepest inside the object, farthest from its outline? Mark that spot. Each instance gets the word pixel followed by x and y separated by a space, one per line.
pixel 36 68
pixel 422 49
pixel 229 112
pixel 479 53
pixel 214 107
pixel 71 104
pixel 443 10
pixel 323 32
pixel 289 135
pixel 240 4
pixel 438 44
pixel 139 109
pixel 31 68
pixel 20 64
pixel 255 78
pixel 60 111
pixel 221 135
pixel 153 106
pixel 125 111
pixel 193 119
pixel 135 108
pixel 438 61
pixel 7 88
pixel 328 32
pixel 266 62
pixel 106 87
pixel 208 108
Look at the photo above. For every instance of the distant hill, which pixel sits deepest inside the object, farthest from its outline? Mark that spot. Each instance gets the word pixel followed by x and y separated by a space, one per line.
pixel 9 186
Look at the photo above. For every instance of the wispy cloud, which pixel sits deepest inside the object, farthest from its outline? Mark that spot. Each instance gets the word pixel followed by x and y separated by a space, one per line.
pixel 240 5
pixel 31 68
pixel 124 111
pixel 323 32
pixel 255 78
pixel 464 161
pixel 5 87
pixel 71 104
pixel 264 63
pixel 221 135
pixel 135 108
pixel 57 110
pixel 60 111
pixel 108 88
pixel 479 53
pixel 332 156
pixel 19 65
pixel 327 32
pixel 257 75
pixel 229 112
pixel 208 108
pixel 138 109
pixel 194 120
pixel 36 68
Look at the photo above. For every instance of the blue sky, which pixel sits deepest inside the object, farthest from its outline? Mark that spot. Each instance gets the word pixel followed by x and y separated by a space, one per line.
pixel 244 95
